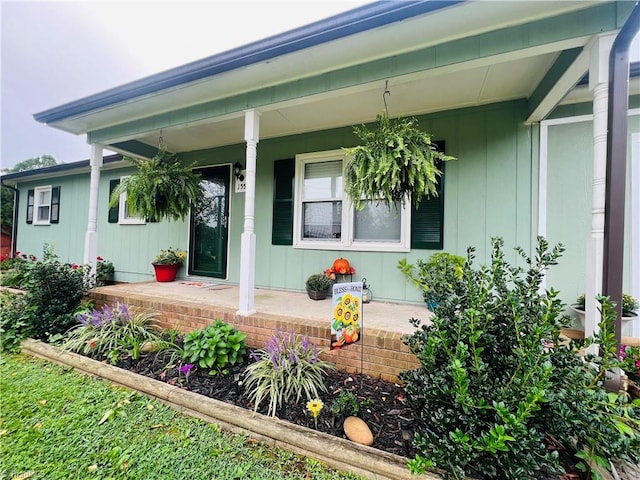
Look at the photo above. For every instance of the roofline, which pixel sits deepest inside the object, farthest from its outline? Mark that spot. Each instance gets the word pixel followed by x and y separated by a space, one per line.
pixel 60 168
pixel 354 21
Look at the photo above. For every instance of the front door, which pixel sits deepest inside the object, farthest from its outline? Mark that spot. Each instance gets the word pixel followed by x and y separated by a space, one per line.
pixel 209 225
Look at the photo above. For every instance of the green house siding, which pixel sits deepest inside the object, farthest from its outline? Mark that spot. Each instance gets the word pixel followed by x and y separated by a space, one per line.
pixel 487 192
pixel 569 200
pixel 66 236
pixel 132 248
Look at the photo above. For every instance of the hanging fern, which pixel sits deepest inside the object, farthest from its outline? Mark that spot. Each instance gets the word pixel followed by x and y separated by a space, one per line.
pixel 161 188
pixel 397 162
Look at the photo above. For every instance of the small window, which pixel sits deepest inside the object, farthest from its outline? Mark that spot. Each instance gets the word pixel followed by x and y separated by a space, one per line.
pixel 43 205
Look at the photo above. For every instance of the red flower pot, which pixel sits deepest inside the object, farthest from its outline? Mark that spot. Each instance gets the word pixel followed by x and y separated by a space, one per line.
pixel 166 272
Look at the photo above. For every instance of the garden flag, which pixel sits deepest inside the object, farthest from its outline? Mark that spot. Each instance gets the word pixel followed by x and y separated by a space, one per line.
pixel 346 321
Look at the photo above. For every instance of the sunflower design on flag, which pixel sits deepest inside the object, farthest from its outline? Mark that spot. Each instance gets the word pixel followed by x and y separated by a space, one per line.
pixel 347 314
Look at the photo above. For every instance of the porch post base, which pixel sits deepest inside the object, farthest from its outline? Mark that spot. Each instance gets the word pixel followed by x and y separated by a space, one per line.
pixel 247 274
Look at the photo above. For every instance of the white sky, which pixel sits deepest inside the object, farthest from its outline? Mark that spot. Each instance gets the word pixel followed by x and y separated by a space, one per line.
pixel 54 52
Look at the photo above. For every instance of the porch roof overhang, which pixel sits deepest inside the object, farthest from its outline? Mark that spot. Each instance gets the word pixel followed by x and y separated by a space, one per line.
pixel 435 55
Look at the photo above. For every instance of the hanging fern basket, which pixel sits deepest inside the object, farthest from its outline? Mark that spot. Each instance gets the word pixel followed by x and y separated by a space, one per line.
pixel 161 188
pixel 395 163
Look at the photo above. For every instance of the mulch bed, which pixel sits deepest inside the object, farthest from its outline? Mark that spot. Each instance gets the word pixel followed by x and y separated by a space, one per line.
pixel 383 403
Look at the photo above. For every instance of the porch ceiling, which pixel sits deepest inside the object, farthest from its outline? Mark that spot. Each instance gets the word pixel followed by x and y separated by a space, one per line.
pixel 410 95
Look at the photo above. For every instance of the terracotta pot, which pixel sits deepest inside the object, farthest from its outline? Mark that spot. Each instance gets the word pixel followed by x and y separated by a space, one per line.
pixel 166 272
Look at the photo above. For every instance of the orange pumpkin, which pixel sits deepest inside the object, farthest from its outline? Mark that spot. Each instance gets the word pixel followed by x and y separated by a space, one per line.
pixel 341 266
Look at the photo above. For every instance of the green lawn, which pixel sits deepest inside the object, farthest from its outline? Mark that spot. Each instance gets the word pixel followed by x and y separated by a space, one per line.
pixel 58 424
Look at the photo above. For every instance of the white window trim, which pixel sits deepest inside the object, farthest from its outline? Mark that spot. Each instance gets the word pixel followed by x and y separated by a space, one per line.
pixel 346 241
pixel 37 205
pixel 122 205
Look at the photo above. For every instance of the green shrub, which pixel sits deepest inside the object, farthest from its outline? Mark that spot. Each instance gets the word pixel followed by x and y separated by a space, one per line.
pixel 54 291
pixel 111 332
pixel 215 347
pixel 285 369
pixel 434 277
pixel 15 270
pixel 13 321
pixel 496 381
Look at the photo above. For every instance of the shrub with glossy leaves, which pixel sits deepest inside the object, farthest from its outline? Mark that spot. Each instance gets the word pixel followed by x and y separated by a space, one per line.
pixel 497 382
pixel 54 290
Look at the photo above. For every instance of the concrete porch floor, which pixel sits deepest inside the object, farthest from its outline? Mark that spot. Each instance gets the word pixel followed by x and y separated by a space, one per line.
pixel 391 317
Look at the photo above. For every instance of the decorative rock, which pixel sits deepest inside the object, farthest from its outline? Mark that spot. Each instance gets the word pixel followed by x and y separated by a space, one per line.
pixel 150 347
pixel 357 431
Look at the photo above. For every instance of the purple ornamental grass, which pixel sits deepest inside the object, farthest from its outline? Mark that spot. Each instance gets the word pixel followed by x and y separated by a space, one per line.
pixel 284 350
pixel 105 316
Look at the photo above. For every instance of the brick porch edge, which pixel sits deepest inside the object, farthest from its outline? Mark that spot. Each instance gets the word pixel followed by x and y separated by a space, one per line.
pixel 379 353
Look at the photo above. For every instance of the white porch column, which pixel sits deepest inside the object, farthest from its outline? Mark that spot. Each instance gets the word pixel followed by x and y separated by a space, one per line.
pixel 599 49
pixel 91 236
pixel 248 238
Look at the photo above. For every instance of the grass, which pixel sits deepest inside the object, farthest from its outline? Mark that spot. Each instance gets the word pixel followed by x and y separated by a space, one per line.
pixel 58 424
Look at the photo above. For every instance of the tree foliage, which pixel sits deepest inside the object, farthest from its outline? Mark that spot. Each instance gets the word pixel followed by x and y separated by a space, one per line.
pixel 32 163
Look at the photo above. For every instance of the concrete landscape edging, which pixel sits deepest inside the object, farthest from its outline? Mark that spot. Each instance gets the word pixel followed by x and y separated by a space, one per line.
pixel 337 452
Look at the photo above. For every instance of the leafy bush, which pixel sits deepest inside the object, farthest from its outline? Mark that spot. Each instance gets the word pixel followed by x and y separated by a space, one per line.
pixel 430 276
pixel 215 347
pixel 497 382
pixel 111 332
pixel 54 290
pixel 15 270
pixel 285 369
pixel 13 321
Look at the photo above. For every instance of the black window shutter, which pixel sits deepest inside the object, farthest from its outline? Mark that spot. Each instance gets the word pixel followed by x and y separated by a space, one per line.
pixel 30 200
pixel 282 227
pixel 427 221
pixel 113 211
pixel 55 205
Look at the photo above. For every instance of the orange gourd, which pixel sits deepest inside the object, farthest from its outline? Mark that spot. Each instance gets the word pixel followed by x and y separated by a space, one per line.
pixel 341 266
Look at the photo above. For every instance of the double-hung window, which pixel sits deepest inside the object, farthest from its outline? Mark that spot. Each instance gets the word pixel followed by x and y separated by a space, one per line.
pixel 324 216
pixel 43 205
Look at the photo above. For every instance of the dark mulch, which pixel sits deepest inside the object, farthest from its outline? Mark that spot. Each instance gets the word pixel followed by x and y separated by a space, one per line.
pixel 384 406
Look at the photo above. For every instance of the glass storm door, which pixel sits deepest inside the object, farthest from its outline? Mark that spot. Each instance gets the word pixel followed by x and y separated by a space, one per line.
pixel 209 225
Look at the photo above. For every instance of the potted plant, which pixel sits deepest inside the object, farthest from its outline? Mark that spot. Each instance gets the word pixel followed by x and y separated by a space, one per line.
pixel 104 271
pixel 629 308
pixel 396 162
pixel 317 286
pixel 431 276
pixel 167 263
pixel 161 188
